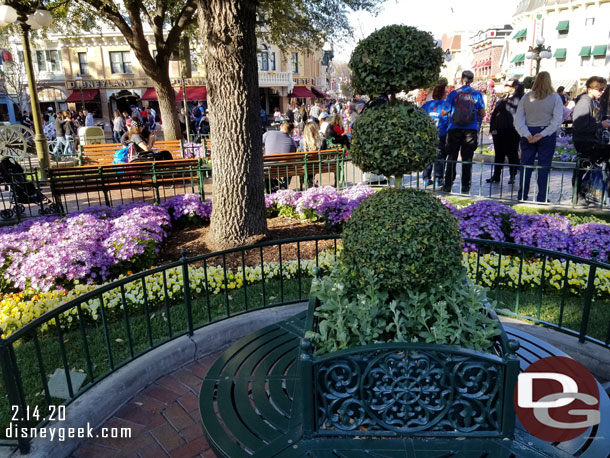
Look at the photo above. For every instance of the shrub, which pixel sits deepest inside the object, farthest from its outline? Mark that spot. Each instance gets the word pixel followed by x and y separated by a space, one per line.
pixel 451 312
pixel 407 238
pixel 393 59
pixel 394 139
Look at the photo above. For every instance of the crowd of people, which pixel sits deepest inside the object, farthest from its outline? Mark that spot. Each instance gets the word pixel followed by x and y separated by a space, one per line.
pixel 313 127
pixel 524 127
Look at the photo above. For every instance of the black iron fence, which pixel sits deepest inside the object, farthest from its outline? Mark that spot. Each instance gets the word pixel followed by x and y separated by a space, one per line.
pixel 335 170
pixel 107 327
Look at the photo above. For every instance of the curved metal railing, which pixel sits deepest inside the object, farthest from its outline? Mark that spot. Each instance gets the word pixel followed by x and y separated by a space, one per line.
pixel 113 324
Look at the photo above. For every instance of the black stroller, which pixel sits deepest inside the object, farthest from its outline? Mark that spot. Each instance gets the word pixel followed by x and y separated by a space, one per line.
pixel 22 191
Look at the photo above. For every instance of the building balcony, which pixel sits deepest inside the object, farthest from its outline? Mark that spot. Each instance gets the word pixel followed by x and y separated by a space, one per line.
pixel 51 76
pixel 275 79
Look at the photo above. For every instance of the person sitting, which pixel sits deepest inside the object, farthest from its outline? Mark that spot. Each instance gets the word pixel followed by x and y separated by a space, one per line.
pixel 335 131
pixel 142 148
pixel 311 140
pixel 280 141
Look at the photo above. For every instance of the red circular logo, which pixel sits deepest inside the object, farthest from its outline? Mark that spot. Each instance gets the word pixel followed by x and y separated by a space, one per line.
pixel 557 399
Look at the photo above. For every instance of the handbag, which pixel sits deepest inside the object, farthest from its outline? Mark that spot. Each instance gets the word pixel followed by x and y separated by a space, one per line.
pixel 595 186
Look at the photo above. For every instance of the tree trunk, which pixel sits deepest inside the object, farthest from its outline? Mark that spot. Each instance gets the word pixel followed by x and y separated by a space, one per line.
pixel 229 43
pixel 167 103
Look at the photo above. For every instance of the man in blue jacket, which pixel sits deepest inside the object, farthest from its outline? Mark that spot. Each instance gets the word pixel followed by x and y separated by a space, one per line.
pixel 467 109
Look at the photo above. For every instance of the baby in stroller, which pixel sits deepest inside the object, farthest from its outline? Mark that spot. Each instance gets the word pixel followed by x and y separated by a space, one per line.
pixel 22 191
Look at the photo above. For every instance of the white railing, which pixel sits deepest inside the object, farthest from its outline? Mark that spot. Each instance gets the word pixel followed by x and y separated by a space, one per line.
pixel 270 79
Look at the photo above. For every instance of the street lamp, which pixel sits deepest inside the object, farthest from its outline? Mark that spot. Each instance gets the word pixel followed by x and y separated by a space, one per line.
pixel 326 61
pixel 539 52
pixel 28 17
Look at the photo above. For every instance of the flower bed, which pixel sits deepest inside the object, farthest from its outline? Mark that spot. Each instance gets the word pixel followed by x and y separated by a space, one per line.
pixel 49 260
pixel 18 309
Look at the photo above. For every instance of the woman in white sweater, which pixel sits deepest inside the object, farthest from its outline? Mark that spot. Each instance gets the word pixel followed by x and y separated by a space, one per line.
pixel 539 115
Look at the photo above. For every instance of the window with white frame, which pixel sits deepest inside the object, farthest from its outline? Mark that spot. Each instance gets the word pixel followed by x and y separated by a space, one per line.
pixel 590 21
pixel 83 63
pixel 48 61
pixel 263 59
pixel 295 62
pixel 585 61
pixel 120 62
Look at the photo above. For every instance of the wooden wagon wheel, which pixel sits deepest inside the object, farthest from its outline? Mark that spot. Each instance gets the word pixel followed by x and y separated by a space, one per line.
pixel 14 140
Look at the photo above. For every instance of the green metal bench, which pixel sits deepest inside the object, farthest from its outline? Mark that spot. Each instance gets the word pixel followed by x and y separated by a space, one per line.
pixel 251 405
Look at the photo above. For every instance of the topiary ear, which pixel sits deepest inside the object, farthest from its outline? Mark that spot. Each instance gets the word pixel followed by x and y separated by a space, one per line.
pixel 393 59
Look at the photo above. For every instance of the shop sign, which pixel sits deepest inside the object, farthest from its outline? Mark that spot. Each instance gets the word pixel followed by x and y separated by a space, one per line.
pixel 105 84
pixel 303 81
pixel 188 82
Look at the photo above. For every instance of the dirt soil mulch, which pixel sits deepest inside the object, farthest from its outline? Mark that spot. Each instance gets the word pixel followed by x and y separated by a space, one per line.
pixel 195 241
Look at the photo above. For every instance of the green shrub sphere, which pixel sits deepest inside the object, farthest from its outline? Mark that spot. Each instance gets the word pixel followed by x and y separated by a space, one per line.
pixel 406 237
pixel 394 139
pixel 393 59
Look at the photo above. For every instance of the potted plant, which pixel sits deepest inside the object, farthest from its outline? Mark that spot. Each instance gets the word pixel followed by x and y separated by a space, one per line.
pixel 399 342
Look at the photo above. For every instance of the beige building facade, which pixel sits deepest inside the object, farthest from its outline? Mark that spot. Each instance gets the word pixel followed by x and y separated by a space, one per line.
pixel 99 72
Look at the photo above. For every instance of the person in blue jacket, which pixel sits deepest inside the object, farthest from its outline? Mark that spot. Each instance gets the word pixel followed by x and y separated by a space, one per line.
pixel 467 111
pixel 434 109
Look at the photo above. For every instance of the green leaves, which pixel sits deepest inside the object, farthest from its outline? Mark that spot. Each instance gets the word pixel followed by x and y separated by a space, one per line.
pixel 393 59
pixel 452 312
pixel 394 139
pixel 405 238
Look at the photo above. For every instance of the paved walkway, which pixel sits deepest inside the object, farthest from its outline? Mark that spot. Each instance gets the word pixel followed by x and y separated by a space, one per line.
pixel 164 420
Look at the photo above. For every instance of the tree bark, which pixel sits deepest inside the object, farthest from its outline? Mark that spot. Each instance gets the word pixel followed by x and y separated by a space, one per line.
pixel 167 103
pixel 229 43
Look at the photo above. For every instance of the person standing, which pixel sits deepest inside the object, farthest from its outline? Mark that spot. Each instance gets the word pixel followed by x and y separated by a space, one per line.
pixel 434 108
pixel 60 144
pixel 467 108
pixel 539 115
pixel 586 128
pixel 89 122
pixel 314 111
pixel 118 126
pixel 502 128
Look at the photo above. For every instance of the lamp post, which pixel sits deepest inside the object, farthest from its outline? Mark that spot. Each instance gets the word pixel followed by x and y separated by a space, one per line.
pixel 539 52
pixel 327 60
pixel 27 17
pixel 80 88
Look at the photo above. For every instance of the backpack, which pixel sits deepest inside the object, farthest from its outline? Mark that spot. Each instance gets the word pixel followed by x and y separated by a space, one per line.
pixel 121 156
pixel 463 108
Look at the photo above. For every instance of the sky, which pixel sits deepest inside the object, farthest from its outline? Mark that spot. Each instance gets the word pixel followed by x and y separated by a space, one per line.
pixel 436 16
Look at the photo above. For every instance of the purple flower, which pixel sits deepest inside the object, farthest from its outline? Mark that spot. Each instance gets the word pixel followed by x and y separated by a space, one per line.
pixel 483 220
pixel 589 238
pixel 188 205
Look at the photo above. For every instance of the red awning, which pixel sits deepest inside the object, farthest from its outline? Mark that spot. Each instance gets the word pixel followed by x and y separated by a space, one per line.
pixel 319 94
pixel 302 92
pixel 88 95
pixel 488 63
pixel 149 94
pixel 193 93
pixel 476 65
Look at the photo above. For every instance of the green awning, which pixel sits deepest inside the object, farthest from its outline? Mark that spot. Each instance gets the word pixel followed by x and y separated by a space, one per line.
pixel 560 53
pixel 518 58
pixel 520 34
pixel 585 51
pixel 599 50
pixel 563 26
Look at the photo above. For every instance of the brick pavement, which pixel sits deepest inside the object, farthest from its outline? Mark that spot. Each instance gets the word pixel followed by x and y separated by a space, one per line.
pixel 164 420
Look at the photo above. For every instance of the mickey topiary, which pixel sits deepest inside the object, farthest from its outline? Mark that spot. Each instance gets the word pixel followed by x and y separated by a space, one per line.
pixel 406 237
pixel 393 59
pixel 394 139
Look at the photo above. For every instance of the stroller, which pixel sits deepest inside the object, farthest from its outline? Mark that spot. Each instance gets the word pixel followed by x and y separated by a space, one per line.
pixel 22 191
